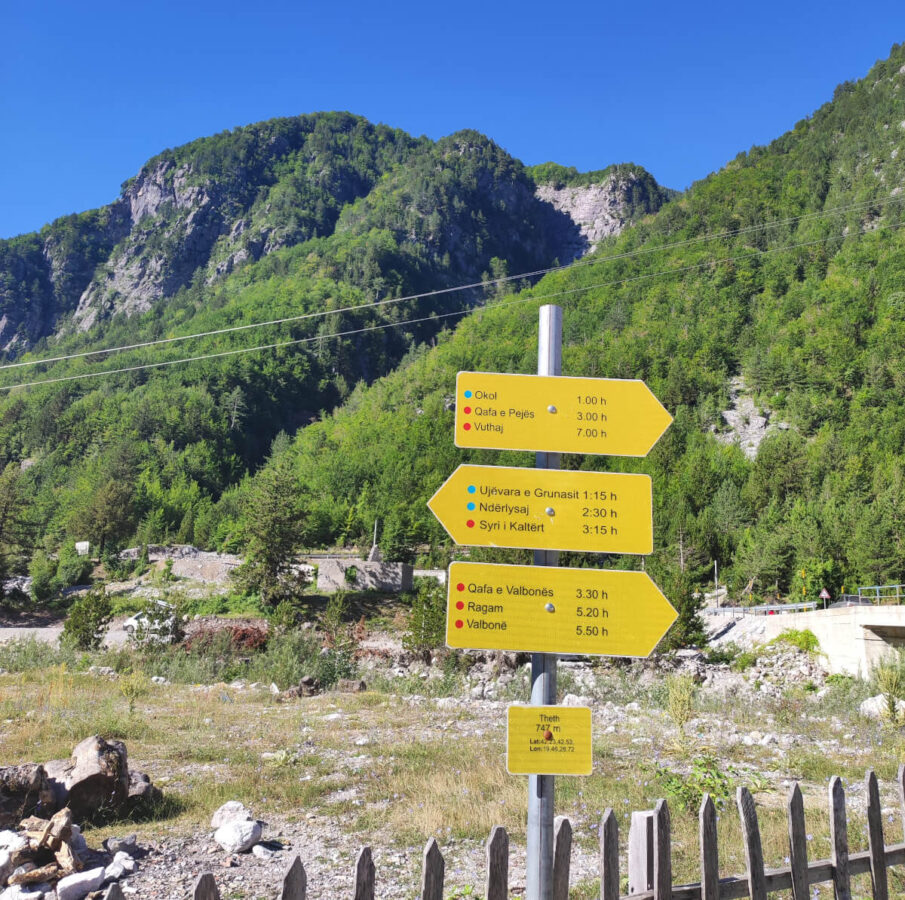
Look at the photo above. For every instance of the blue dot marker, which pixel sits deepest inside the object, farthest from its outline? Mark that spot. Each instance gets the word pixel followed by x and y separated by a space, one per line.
pixel 471 489
pixel 468 393
pixel 471 506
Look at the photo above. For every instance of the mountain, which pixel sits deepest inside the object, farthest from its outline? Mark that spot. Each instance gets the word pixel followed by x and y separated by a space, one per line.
pixel 779 276
pixel 201 211
pixel 783 272
pixel 327 223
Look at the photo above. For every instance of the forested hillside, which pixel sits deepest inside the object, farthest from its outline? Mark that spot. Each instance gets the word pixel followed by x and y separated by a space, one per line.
pixel 784 268
pixel 788 268
pixel 328 224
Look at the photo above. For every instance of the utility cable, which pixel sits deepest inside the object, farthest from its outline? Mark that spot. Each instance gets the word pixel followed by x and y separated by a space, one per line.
pixel 592 261
pixel 433 317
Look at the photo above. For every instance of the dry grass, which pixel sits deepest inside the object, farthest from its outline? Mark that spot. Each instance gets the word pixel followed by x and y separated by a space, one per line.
pixel 425 771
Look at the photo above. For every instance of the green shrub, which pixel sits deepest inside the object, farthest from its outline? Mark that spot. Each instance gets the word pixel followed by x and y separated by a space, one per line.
pixel 722 653
pixel 888 679
pixel 43 571
pixel 427 624
pixel 28 654
pixel 680 697
pixel 744 660
pixel 72 569
pixel 86 624
pixel 687 790
pixel 803 639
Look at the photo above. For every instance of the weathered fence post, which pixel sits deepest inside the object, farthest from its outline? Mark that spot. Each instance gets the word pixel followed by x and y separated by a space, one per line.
pixel 205 888
pixel 900 784
pixel 432 876
pixel 295 882
pixel 662 852
pixel 609 856
pixel 562 855
pixel 839 840
pixel 364 875
pixel 754 854
pixel 498 864
pixel 875 839
pixel 641 852
pixel 798 845
pixel 710 862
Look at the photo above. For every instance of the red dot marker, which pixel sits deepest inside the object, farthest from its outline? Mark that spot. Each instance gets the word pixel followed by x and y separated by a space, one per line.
pixel 470 523
pixel 460 586
pixel 467 426
pixel 460 605
pixel 467 410
pixel 459 623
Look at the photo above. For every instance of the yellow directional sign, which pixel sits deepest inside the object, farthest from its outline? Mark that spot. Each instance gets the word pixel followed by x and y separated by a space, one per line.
pixel 540 609
pixel 549 740
pixel 557 414
pixel 546 509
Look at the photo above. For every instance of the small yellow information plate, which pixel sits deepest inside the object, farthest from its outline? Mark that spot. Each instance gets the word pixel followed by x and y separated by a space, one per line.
pixel 546 509
pixel 544 609
pixel 549 740
pixel 557 414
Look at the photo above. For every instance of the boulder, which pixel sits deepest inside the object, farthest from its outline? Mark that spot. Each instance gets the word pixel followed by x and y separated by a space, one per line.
pixel 231 811
pixel 128 845
pixel 238 836
pixel 96 778
pixel 80 884
pixel 27 892
pixel 877 708
pixel 24 790
pixel 142 794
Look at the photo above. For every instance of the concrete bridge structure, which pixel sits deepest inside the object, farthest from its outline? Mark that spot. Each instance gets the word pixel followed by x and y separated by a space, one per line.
pixel 852 638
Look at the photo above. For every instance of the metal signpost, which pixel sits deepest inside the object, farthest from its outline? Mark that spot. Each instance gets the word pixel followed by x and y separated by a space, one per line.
pixel 582 611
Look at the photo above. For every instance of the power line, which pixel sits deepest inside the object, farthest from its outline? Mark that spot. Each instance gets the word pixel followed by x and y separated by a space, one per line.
pixel 434 317
pixel 593 261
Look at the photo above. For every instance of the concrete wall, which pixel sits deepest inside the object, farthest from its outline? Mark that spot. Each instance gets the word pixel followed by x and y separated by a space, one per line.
pixel 852 638
pixel 391 578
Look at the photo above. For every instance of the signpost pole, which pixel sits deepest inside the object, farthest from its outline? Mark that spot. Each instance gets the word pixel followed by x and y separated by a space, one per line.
pixel 539 881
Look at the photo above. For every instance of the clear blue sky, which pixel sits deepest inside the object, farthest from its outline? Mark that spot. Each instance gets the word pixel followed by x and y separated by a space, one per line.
pixel 89 90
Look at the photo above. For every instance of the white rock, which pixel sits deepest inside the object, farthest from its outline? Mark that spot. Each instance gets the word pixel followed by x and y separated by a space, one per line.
pixel 575 700
pixel 633 706
pixel 238 836
pixel 27 892
pixel 80 884
pixel 11 840
pixel 231 811
pixel 114 871
pixel 876 707
pixel 122 858
pixel 263 852
pixel 274 689
pixel 77 841
pixel 447 703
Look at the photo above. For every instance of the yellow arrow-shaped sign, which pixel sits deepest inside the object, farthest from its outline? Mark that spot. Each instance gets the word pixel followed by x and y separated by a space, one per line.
pixel 546 509
pixel 556 414
pixel 541 609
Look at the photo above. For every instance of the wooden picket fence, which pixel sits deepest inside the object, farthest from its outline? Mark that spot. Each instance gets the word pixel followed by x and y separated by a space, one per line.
pixel 654 869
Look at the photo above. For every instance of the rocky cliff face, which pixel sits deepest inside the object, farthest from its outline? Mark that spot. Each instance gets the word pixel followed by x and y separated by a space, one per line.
pixel 598 210
pixel 173 225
